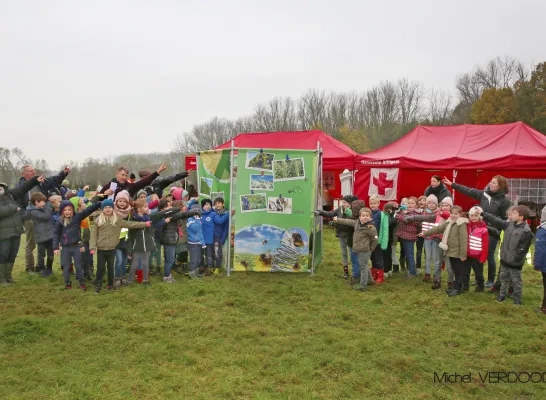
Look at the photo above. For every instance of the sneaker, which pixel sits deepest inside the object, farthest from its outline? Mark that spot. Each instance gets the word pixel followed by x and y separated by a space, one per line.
pixel 517 302
pixel 83 287
pixel 195 274
pixel 123 282
pixel 489 284
pixel 117 283
pixel 68 287
pixel 97 289
pixel 501 299
pixel 168 279
pixel 453 293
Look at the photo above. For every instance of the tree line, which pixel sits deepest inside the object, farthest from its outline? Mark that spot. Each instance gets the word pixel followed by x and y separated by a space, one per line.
pixel 501 91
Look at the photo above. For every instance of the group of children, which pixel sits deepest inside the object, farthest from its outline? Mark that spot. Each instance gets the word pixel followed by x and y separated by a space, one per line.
pixel 121 230
pixel 448 237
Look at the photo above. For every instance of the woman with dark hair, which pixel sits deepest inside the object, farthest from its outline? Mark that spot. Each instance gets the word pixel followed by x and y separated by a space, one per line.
pixel 437 188
pixel 492 200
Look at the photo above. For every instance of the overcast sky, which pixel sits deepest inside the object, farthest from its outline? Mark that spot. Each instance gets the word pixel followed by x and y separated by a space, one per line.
pixel 91 78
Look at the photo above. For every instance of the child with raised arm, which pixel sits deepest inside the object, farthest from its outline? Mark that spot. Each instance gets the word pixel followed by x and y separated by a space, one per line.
pixel 40 212
pixel 407 233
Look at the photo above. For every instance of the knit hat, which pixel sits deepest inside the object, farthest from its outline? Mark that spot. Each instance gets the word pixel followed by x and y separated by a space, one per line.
pixel 195 206
pixel 124 194
pixel 106 203
pixel 433 198
pixel 178 193
pixel 447 200
pixel 543 215
pixel 64 204
pixel 141 191
pixel 206 201
pixel 476 210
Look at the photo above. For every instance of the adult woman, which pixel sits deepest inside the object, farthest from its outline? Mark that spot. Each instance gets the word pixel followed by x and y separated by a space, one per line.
pixel 492 200
pixel 437 188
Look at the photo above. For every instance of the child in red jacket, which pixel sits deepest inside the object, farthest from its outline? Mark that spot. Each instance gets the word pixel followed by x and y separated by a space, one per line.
pixel 478 245
pixel 407 233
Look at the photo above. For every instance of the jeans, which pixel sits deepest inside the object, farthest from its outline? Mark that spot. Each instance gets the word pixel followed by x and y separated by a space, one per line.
pixel 105 258
pixel 30 244
pixel 408 246
pixel 343 248
pixel 491 260
pixel 355 264
pixel 433 257
pixel 9 249
pixel 377 258
pixel 140 260
pixel 195 255
pixel 461 271
pixel 169 253
pixel 209 251
pixel 71 254
pixel 363 259
pixel 45 248
pixel 121 263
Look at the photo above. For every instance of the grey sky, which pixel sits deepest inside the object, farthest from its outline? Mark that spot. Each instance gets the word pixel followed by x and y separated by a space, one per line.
pixel 91 78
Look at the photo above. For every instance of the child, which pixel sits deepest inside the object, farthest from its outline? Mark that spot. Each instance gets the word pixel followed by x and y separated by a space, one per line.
pixel 388 210
pixel 515 245
pixel 105 238
pixel 455 244
pixel 364 242
pixel 344 233
pixel 478 245
pixel 196 241
pixel 381 223
pixel 40 213
pixel 422 205
pixel 407 233
pixel 539 261
pixel 140 242
pixel 433 254
pixel 67 234
pixel 207 223
pixel 221 230
pixel 122 209
pixel 445 206
pixel 87 258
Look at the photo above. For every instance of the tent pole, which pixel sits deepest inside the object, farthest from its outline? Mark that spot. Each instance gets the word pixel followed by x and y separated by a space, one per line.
pixel 231 207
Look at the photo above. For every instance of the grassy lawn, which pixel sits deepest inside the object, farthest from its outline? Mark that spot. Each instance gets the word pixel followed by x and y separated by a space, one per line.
pixel 264 336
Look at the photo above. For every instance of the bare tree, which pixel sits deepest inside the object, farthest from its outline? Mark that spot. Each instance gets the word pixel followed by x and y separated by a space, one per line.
pixel 277 115
pixel 439 107
pixel 410 98
pixel 205 136
pixel 312 109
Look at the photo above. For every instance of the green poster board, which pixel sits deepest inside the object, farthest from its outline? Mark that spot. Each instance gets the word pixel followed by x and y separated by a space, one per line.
pixel 274 199
pixel 213 173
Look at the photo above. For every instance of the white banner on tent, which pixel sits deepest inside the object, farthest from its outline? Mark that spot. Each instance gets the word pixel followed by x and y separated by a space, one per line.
pixel 384 183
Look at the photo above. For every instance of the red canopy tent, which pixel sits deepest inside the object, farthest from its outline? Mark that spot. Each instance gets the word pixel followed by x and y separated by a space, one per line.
pixel 469 154
pixel 335 155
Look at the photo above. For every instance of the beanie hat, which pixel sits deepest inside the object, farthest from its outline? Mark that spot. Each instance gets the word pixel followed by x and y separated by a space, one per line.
pixel 124 194
pixel 64 204
pixel 433 198
pixel 106 203
pixel 141 191
pixel 476 210
pixel 75 201
pixel 205 201
pixel 195 206
pixel 447 200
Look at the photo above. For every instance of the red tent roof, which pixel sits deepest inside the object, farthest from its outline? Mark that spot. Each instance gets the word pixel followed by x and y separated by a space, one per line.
pixel 508 146
pixel 335 155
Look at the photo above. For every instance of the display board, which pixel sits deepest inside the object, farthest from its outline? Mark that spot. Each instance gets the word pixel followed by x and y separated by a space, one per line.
pixel 213 172
pixel 274 199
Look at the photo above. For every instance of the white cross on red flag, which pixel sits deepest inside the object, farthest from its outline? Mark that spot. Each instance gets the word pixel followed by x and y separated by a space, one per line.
pixel 383 183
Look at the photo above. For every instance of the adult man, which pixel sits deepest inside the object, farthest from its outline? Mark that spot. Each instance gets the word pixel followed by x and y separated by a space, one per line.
pixel 28 172
pixel 121 181
pixel 159 184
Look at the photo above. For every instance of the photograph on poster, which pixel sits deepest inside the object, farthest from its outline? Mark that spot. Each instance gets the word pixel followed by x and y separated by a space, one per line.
pixel 259 160
pixel 287 170
pixel 261 182
pixel 253 202
pixel 279 205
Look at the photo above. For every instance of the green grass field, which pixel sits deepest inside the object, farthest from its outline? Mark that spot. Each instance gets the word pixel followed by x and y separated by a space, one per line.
pixel 264 336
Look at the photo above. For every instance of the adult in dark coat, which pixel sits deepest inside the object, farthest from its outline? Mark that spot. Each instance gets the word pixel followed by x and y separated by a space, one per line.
pixel 493 201
pixel 45 186
pixel 437 188
pixel 122 182
pixel 11 224
pixel 159 184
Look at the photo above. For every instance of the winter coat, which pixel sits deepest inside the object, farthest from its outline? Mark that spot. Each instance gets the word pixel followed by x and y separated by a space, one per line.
pixel 45 187
pixel 440 191
pixel 493 203
pixel 342 231
pixel 478 241
pixel 170 232
pixel 106 237
pixel 194 229
pixel 539 260
pixel 457 239
pixel 142 240
pixel 207 223
pixel 71 234
pixel 11 221
pixel 160 183
pixel 132 188
pixel 44 226
pixel 516 242
pixel 221 226
pixel 407 230
pixel 365 235
pixel 430 220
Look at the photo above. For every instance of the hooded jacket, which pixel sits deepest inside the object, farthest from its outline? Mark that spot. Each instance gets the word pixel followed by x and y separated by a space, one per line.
pixel 207 223
pixel 221 226
pixel 11 221
pixel 493 203
pixel 44 225
pixel 365 235
pixel 457 239
pixel 70 234
pixel 194 229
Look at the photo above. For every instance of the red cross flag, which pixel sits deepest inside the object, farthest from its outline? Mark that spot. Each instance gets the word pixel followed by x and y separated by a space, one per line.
pixel 383 182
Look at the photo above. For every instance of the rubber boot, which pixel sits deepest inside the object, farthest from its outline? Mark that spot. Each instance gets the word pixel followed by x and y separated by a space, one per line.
pixel 374 273
pixel 380 277
pixel 3 273
pixel 9 270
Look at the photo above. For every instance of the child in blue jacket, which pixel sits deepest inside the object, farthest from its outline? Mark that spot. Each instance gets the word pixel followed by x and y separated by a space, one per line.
pixel 539 261
pixel 196 242
pixel 221 228
pixel 207 223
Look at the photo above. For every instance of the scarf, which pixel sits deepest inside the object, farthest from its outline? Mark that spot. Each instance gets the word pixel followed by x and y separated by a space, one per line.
pixel 443 244
pixel 141 218
pixel 122 213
